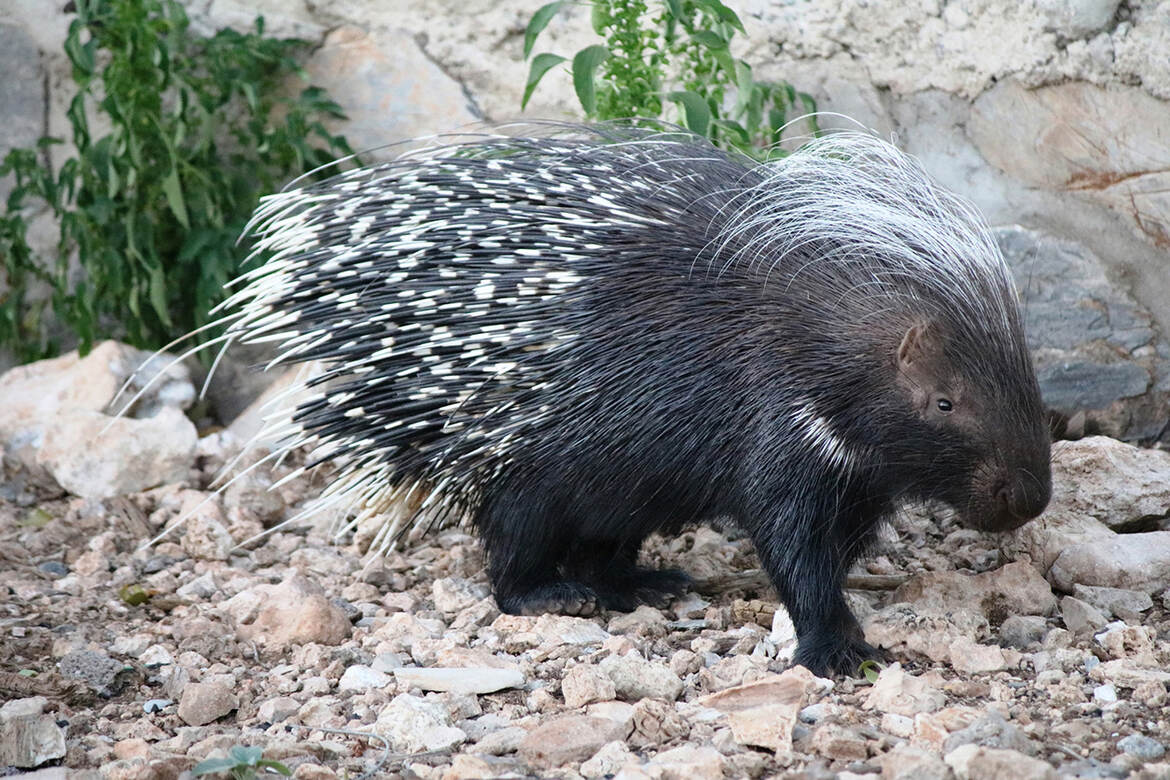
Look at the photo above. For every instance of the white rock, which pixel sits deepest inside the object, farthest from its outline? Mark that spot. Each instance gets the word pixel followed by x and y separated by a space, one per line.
pixel 465 680
pixel 276 709
pixel 501 742
pixel 1131 561
pixel 636 678
pixel 1076 18
pixel 973 762
pixel 453 594
pixel 762 713
pixel 970 657
pixel 202 703
pixel 903 694
pixel 584 684
pixel 608 761
pixel 28 736
pixel 783 631
pixel 565 630
pixel 1106 694
pixel 296 611
pixel 362 678
pixel 687 762
pixel 93 455
pixel 413 724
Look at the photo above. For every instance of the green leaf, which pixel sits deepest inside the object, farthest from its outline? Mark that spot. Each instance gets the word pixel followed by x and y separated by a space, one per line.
pixel 538 22
pixel 718 47
pixel 696 112
pixel 675 9
pixel 174 193
pixel 585 64
pixel 541 64
pixel 743 85
pixel 869 669
pixel 599 17
pixel 712 40
pixel 80 55
pixel 723 13
pixel 740 137
pixel 210 765
pixel 248 755
pixel 158 295
pixel 810 107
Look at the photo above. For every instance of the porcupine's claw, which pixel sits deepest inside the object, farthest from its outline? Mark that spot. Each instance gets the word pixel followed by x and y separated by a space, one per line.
pixel 561 598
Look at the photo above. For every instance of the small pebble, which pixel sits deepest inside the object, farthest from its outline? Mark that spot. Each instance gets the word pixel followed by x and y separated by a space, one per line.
pixel 1107 694
pixel 54 568
pixel 1141 747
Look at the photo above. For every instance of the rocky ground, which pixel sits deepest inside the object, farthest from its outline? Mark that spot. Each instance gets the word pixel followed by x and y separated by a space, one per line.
pixel 1040 654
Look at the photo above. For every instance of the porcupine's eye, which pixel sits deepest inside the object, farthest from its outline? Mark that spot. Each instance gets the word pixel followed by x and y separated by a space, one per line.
pixel 944 405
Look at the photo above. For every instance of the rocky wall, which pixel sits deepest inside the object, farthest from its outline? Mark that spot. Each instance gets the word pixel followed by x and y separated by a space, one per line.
pixel 1050 114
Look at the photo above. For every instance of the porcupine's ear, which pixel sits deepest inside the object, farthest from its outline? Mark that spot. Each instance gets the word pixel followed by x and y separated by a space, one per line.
pixel 920 366
pixel 921 348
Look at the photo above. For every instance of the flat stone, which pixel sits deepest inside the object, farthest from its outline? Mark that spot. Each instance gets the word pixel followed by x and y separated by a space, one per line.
pixel 569 739
pixel 1119 602
pixel 362 678
pixel 1141 746
pixel 455 680
pixel 1130 561
pixel 28 736
pixel 762 713
pixel 1128 673
pixel 608 761
pixel 688 762
pixel 974 762
pixel 1016 588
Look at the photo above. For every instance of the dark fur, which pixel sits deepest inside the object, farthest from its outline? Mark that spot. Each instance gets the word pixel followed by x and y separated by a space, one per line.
pixel 687 389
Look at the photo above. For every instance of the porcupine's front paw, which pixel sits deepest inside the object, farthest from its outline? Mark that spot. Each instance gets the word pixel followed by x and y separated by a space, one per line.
pixel 559 598
pixel 835 649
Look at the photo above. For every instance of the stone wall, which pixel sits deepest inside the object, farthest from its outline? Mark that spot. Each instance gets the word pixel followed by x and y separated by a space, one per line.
pixel 1049 114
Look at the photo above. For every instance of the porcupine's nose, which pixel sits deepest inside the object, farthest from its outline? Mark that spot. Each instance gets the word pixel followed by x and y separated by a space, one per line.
pixel 1023 496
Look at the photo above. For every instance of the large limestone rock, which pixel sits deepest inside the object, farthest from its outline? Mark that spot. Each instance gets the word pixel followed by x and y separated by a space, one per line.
pixel 56 422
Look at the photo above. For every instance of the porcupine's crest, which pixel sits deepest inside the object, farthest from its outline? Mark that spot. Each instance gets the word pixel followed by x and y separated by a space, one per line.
pixel 440 289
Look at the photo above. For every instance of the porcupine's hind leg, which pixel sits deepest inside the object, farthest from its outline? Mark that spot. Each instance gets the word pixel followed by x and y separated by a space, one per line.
pixel 525 557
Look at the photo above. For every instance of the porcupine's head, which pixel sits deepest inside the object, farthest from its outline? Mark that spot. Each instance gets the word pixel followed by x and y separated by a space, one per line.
pixel 925 336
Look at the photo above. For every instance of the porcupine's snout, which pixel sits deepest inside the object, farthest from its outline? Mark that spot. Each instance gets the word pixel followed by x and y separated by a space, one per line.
pixel 1021 490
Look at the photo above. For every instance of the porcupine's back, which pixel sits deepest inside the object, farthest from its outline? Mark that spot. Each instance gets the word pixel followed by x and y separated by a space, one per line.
pixel 625 303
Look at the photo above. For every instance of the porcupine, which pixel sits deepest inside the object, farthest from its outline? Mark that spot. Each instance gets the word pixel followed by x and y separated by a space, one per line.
pixel 577 340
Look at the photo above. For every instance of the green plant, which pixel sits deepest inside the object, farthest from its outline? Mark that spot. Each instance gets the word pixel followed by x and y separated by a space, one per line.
pixel 198 128
pixel 869 669
pixel 716 94
pixel 242 762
